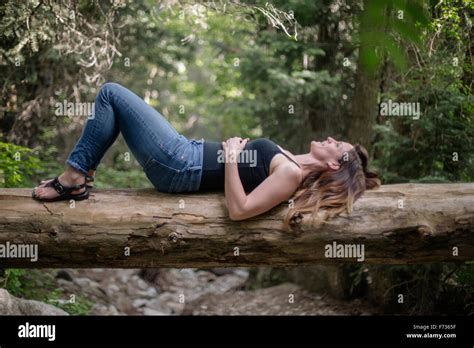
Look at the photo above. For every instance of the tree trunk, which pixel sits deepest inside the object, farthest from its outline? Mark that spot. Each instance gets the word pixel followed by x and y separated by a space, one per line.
pixel 396 224
pixel 364 106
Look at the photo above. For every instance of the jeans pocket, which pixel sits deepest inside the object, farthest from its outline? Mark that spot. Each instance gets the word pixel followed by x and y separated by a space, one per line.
pixel 162 176
pixel 188 180
pixel 174 147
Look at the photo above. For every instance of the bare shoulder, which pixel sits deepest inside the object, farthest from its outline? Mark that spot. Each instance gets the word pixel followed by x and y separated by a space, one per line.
pixel 285 168
pixel 292 171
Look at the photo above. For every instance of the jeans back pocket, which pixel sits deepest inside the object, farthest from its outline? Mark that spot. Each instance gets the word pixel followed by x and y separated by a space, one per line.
pixel 162 176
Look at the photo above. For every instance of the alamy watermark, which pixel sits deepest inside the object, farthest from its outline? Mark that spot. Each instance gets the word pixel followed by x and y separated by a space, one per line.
pixel 393 108
pixel 20 251
pixel 246 156
pixel 336 250
pixel 28 330
pixel 76 109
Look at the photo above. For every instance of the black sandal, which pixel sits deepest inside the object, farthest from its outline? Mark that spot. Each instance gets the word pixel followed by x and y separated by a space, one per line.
pixel 88 179
pixel 64 192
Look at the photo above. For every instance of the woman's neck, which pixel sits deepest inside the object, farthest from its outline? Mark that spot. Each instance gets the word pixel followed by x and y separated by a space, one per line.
pixel 308 163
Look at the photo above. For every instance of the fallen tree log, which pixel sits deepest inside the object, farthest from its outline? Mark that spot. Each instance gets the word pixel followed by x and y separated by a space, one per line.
pixel 397 224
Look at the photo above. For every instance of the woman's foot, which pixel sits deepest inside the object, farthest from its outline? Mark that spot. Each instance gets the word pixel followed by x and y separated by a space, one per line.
pixel 89 180
pixel 89 184
pixel 71 177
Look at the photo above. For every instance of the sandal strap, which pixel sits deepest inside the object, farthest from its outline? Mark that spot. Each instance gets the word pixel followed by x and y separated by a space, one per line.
pixel 89 178
pixel 62 190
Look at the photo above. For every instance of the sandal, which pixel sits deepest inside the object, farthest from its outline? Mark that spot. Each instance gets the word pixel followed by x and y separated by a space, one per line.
pixel 64 192
pixel 89 178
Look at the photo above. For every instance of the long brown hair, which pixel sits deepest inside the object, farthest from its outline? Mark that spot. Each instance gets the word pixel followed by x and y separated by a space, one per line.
pixel 334 191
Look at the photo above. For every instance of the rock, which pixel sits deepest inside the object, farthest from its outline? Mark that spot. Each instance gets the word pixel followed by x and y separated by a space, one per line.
pixel 99 309
pixel 11 305
pixel 67 286
pixel 124 276
pixel 90 287
pixel 111 289
pixel 165 303
pixel 139 282
pixel 139 302
pixel 133 290
pixel 83 282
pixel 151 292
pixel 221 271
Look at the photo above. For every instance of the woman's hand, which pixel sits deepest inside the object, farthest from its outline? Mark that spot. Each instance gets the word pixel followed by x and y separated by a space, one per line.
pixel 233 147
pixel 276 188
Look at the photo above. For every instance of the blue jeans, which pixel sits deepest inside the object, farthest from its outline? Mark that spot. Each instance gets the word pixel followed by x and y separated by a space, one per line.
pixel 171 162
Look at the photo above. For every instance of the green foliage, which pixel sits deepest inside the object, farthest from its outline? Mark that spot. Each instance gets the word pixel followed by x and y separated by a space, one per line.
pixel 403 21
pixel 80 305
pixel 464 286
pixel 108 177
pixel 436 288
pixel 300 89
pixel 439 146
pixel 420 285
pixel 16 162
pixel 39 285
pixel 11 280
pixel 264 277
pixel 465 279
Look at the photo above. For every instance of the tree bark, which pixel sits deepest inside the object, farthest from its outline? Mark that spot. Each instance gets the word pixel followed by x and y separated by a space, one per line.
pixel 364 108
pixel 397 224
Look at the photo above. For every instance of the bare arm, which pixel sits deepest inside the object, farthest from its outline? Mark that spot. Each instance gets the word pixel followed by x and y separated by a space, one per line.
pixel 278 187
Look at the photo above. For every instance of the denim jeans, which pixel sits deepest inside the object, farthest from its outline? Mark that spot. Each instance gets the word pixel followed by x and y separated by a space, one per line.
pixel 171 162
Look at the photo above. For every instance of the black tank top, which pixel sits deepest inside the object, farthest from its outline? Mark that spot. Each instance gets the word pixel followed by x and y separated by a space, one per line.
pixel 253 164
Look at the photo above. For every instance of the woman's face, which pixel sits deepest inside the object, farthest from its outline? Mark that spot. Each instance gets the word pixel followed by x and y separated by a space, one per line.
pixel 329 151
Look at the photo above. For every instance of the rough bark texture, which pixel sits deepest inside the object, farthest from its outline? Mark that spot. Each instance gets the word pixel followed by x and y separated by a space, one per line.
pixel 181 231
